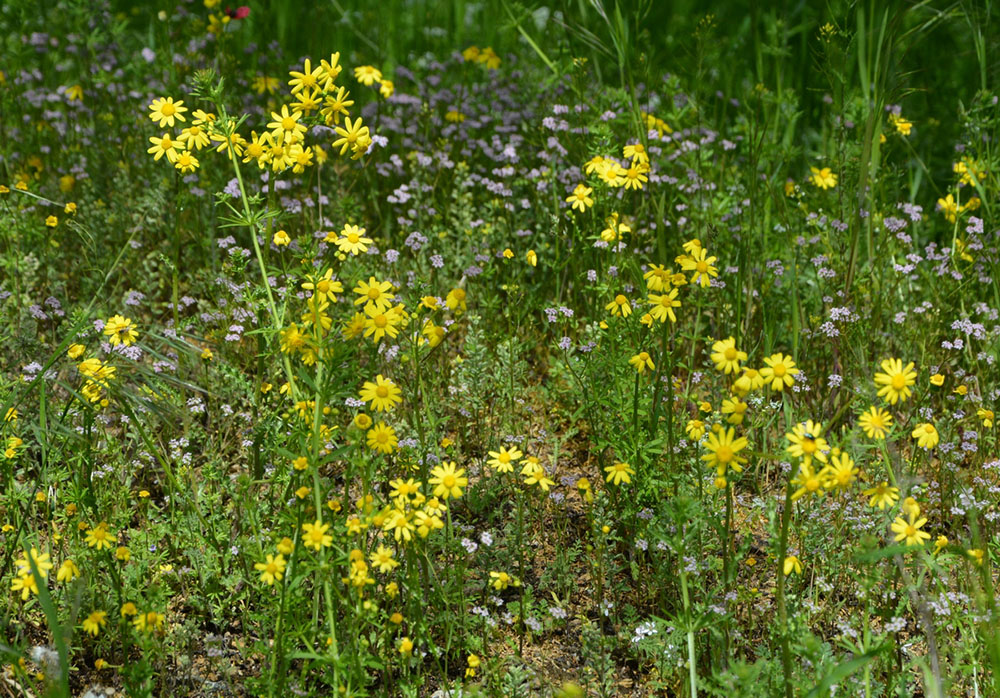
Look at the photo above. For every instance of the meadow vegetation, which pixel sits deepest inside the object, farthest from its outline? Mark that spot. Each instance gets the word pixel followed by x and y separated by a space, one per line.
pixel 491 349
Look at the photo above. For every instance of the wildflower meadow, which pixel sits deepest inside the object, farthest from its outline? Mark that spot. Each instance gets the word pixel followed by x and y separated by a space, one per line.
pixel 488 348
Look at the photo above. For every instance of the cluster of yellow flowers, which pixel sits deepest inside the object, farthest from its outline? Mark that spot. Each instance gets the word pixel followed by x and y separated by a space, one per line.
pixel 282 145
pixel 535 475
pixel 486 56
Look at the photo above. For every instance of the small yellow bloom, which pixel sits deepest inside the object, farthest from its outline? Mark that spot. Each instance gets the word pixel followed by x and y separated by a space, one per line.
pixel 619 473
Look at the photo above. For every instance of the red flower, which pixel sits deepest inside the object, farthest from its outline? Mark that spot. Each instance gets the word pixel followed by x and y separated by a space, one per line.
pixel 239 13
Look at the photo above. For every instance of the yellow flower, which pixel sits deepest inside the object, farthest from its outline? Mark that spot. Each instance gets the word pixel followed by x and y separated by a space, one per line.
pixel 619 473
pixel 949 207
pixel 780 371
pixel 619 305
pixel 473 661
pixel 840 473
pixel 986 416
pixel 580 198
pixel 27 584
pixel 926 435
pixel 875 422
pixel 940 543
pixel 273 568
pixel 824 179
pixel 100 537
pixel 315 535
pixel 367 75
pixel 641 362
pixel 895 381
pixel 68 571
pixel 882 495
pixel 636 151
pixel 93 623
pixel 52 221
pixel 702 265
pixel 383 394
pixel 502 580
pixel 373 293
pixel 726 356
pixel 723 450
pixel 902 125
pixel 752 379
pixel 909 530
pixel 148 622
pixel 663 305
pixel 281 239
pixel 120 330
pixel 792 564
pixel 695 429
pixel 382 438
pixel 448 482
pixel 165 111
pixel 503 460
pixel 353 240
pixel 456 300
pixel 808 482
pixel 807 442
pixel 735 408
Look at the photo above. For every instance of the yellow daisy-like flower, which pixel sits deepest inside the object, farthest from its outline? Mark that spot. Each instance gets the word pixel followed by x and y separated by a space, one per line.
pixel 448 481
pixel 882 495
pixel 324 287
pixel 779 372
pixel 735 408
pixel 353 240
pixel 875 422
pixel 165 146
pixel 823 178
pixel 908 530
pixel 148 622
pixel 723 451
pixel 619 473
pixel 503 460
pixel 619 306
pixel 791 564
pixel 314 535
pixel 726 356
pixel 382 438
pixel 374 293
pixel 93 623
pixel 165 111
pixel 840 474
pixel 701 264
pixel 695 429
pixel 749 381
pixel 580 198
pixel 662 306
pixel 926 435
pixel 272 569
pixel 807 442
pixel 100 537
pixel 641 362
pixel 896 380
pixel 808 482
pixel 367 75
